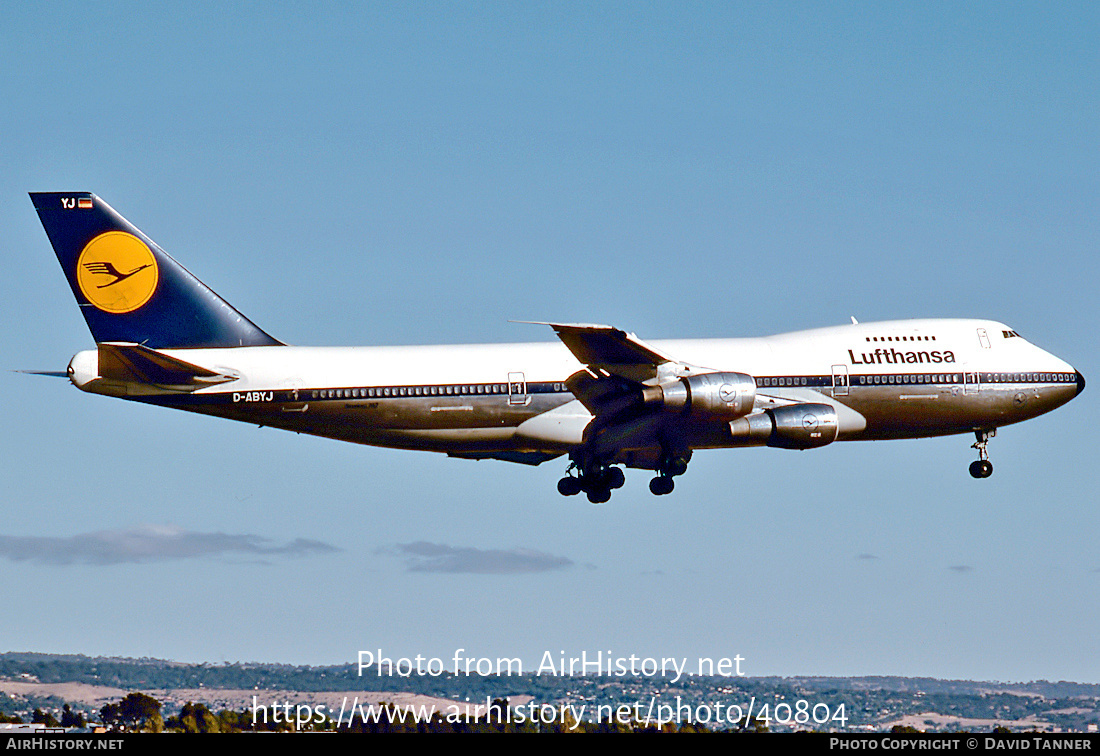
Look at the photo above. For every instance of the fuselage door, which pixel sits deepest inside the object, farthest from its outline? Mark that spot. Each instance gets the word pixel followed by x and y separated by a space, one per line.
pixel 972 383
pixel 840 380
pixel 983 338
pixel 295 399
pixel 517 389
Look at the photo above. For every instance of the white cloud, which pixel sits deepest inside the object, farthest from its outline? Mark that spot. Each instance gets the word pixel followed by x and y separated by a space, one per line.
pixel 147 543
pixel 422 556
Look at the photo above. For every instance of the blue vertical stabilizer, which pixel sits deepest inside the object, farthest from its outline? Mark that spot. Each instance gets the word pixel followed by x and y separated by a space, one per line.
pixel 128 288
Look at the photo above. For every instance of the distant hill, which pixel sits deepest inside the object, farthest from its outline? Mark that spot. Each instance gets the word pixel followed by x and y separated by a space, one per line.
pixel 869 702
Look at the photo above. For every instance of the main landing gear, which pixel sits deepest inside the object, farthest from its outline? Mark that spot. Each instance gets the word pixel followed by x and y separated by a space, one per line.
pixel 597 481
pixel 670 467
pixel 982 467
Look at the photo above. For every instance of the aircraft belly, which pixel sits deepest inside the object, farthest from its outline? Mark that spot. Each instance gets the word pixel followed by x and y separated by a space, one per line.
pixel 908 411
pixel 428 413
pixel 431 423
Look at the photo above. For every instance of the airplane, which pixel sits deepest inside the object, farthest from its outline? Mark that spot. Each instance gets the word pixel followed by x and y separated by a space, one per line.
pixel 600 396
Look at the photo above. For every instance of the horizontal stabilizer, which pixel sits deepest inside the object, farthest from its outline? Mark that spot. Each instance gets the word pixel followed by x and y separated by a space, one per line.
pixel 134 363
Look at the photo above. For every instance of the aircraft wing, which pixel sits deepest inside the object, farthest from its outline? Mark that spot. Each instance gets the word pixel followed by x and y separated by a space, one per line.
pixel 607 351
pixel 621 371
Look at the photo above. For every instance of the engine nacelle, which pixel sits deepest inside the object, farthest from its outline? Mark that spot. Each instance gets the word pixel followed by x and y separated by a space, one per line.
pixel 718 396
pixel 795 426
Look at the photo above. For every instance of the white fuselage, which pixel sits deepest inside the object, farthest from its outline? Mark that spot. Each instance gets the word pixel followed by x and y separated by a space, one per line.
pixel 898 379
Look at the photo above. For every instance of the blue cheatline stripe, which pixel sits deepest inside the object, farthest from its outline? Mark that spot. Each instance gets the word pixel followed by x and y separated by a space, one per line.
pixel 444 391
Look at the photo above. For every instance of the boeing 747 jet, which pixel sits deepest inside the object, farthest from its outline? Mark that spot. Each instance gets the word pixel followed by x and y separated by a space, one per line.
pixel 599 396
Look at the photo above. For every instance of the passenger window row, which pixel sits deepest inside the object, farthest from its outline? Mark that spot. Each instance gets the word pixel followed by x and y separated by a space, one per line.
pixel 453 390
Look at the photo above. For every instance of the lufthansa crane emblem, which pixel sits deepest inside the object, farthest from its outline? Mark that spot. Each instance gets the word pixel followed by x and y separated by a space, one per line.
pixel 117 272
pixel 727 393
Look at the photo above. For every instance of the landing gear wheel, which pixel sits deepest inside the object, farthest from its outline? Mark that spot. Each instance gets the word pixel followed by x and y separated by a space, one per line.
pixel 673 463
pixel 593 477
pixel 661 485
pixel 615 478
pixel 569 486
pixel 676 466
pixel 981 468
pixel 599 495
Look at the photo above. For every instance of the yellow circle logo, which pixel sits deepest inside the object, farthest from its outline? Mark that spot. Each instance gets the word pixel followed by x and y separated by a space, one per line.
pixel 117 272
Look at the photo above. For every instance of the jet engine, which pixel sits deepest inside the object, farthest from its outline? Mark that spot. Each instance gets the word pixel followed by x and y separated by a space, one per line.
pixel 795 426
pixel 713 396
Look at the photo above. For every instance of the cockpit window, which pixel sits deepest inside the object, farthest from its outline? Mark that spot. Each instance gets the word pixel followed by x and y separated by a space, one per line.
pixel 1010 334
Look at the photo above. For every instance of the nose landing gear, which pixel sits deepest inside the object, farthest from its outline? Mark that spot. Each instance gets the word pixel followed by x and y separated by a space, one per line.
pixel 982 467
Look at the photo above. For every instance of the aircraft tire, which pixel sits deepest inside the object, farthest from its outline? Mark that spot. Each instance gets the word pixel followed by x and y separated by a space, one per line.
pixel 599 495
pixel 676 466
pixel 569 486
pixel 615 478
pixel 661 485
pixel 981 468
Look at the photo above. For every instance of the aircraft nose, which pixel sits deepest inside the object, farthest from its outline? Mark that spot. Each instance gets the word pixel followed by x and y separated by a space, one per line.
pixel 1080 383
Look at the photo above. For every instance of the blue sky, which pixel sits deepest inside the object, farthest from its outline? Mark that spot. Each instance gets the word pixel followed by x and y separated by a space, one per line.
pixel 412 174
